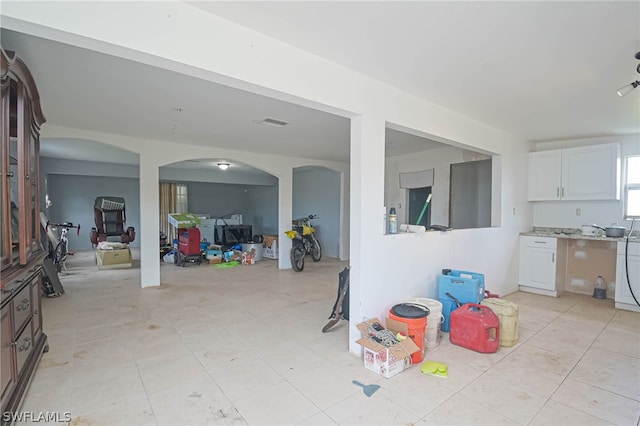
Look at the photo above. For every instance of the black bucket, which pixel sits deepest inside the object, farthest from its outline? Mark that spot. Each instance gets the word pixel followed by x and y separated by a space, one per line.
pixel 410 310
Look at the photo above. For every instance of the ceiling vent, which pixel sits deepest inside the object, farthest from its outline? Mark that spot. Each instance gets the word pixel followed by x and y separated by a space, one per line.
pixel 273 122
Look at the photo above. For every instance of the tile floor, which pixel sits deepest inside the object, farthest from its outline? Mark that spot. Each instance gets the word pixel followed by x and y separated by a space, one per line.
pixel 244 346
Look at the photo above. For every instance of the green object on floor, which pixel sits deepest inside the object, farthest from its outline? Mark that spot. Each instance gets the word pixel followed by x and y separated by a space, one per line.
pixel 435 368
pixel 228 264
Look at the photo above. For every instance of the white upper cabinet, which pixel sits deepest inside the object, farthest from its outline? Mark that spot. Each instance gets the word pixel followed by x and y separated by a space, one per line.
pixel 583 173
pixel 545 174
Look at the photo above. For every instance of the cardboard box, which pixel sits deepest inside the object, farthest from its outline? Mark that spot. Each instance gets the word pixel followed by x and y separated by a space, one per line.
pixel 215 261
pixel 114 259
pixel 231 255
pixel 270 251
pixel 269 239
pixel 184 220
pixel 386 361
pixel 214 254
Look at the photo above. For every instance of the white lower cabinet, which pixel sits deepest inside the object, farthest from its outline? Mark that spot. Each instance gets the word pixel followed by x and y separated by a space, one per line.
pixel 623 297
pixel 537 265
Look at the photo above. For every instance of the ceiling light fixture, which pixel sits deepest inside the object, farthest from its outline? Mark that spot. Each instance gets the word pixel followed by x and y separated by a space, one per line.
pixel 628 88
pixel 223 166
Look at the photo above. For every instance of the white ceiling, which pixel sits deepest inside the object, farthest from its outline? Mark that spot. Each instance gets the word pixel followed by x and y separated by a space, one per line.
pixel 540 70
pixel 543 70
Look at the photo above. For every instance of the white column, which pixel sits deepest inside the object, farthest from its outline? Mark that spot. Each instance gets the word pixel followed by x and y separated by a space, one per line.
pixel 367 200
pixel 285 207
pixel 149 222
pixel 345 215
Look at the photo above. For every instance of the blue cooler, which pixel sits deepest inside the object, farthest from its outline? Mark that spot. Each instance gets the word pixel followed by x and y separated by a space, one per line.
pixel 467 287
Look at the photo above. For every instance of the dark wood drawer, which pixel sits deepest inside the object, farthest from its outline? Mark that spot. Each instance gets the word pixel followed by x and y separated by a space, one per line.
pixel 6 351
pixel 23 347
pixel 36 308
pixel 22 308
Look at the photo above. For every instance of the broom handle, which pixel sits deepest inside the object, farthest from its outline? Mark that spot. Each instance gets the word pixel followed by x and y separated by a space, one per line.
pixel 424 209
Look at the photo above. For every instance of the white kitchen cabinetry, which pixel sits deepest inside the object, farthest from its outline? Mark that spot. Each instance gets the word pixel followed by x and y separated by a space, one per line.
pixel 582 173
pixel 538 260
pixel 623 297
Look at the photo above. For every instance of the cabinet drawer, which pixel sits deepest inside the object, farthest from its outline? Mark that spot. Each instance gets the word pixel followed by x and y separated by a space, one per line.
pixel 6 355
pixel 36 322
pixel 22 307
pixel 634 248
pixel 530 241
pixel 23 347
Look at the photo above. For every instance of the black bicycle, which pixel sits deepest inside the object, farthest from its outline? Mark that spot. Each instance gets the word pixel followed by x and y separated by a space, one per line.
pixel 58 254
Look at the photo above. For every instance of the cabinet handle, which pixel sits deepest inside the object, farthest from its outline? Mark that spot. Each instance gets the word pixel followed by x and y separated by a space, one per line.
pixel 7 291
pixel 557 192
pixel 10 174
pixel 26 177
pixel 563 191
pixel 553 257
pixel 540 242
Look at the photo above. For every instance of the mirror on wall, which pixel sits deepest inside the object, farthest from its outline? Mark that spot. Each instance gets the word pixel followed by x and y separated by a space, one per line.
pixel 458 178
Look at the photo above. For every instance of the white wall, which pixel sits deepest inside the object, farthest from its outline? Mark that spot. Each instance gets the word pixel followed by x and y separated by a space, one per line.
pixel 384 269
pixel 563 213
pixel 73 197
pixel 436 159
pixel 73 185
pixel 263 201
pixel 317 192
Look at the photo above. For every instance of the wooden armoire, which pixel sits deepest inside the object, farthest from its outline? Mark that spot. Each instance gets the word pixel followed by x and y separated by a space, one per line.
pixel 21 250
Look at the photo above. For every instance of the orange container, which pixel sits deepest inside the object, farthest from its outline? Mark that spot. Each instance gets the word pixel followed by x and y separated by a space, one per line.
pixel 415 316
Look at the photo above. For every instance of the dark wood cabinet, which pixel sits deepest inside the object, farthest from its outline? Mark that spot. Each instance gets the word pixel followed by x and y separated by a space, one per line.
pixel 21 251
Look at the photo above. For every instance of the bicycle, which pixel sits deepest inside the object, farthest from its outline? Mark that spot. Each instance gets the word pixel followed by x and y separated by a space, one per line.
pixel 58 255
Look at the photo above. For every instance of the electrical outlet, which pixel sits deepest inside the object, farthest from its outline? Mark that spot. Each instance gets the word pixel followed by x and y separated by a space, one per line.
pixel 578 211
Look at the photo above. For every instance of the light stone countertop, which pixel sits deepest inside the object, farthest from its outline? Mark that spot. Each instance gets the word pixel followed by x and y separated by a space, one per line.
pixel 574 234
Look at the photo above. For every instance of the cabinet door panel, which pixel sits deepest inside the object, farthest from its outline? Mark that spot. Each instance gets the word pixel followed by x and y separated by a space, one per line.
pixel 22 308
pixel 537 267
pixel 36 322
pixel 544 175
pixel 23 347
pixel 591 173
pixel 623 294
pixel 6 351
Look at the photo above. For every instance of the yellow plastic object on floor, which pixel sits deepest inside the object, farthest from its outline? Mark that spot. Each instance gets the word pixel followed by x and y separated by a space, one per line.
pixel 435 368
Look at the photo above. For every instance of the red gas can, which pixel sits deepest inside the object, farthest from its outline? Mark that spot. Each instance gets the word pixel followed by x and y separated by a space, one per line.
pixel 475 327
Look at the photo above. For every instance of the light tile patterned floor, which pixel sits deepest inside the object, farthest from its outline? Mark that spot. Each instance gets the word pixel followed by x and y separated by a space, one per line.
pixel 243 346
